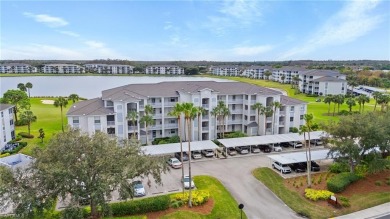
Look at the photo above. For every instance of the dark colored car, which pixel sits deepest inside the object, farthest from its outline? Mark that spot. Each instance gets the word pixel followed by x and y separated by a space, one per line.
pixel 314 166
pixel 178 156
pixel 265 148
pixel 285 144
pixel 298 167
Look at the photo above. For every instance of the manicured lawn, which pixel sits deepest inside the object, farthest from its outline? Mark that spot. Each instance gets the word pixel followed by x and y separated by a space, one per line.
pixel 300 204
pixel 48 118
pixel 224 204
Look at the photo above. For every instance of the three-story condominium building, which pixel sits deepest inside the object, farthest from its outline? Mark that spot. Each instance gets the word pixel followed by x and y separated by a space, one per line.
pixel 109 69
pixel 62 69
pixel 226 70
pixel 109 113
pixel 286 74
pixel 17 68
pixel 7 126
pixel 322 82
pixel 256 72
pixel 164 70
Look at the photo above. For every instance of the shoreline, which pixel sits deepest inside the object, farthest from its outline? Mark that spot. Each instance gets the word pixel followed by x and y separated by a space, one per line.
pixel 90 74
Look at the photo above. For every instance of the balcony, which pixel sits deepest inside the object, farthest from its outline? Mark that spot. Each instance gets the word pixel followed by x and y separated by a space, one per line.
pixel 171 125
pixel 269 119
pixel 112 135
pixel 236 101
pixel 236 111
pixel 205 129
pixel 282 113
pixel 206 106
pixel 235 121
pixel 132 128
pixel 281 123
pixel 168 103
pixel 155 105
pixel 205 117
pixel 157 115
pixel 110 123
pixel 155 127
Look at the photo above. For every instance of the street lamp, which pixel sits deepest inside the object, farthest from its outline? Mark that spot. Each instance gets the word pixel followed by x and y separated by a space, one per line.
pixel 241 206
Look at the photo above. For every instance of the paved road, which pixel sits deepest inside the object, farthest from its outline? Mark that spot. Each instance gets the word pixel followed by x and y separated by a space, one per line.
pixel 236 176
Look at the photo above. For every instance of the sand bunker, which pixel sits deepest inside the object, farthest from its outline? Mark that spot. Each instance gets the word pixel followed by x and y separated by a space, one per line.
pixel 47 101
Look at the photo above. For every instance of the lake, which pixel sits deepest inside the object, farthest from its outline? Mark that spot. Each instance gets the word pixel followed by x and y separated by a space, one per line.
pixel 84 86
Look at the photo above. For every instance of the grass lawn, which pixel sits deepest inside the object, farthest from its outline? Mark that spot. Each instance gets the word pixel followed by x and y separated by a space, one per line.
pixel 48 118
pixel 224 204
pixel 304 206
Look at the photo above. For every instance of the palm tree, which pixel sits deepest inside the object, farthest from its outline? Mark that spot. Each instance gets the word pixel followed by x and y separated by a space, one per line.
pixel 259 108
pixel 74 97
pixel 22 87
pixel 28 117
pixel 201 111
pixel 383 100
pixel 339 100
pixel 352 81
pixel 267 112
pixel 350 102
pixel 29 86
pixel 267 74
pixel 328 100
pixel 224 112
pixel 133 117
pixel 376 95
pixel 214 113
pixel 276 105
pixel 220 112
pixel 362 99
pixel 61 102
pixel 295 79
pixel 177 111
pixel 283 77
pixel 307 128
pixel 190 112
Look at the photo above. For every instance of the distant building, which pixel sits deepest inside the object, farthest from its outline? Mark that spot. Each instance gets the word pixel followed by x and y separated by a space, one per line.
pixel 164 70
pixel 226 70
pixel 109 69
pixel 62 69
pixel 256 72
pixel 17 68
pixel 7 126
pixel 322 82
pixel 286 74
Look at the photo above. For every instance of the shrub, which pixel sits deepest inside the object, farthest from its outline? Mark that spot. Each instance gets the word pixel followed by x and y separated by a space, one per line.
pixel 361 170
pixel 141 206
pixel 5 155
pixel 338 167
pixel 378 183
pixel 339 182
pixel 315 195
pixel 199 197
pixel 235 135
pixel 25 135
pixel 20 122
pixel 344 113
pixel 344 201
pixel 388 182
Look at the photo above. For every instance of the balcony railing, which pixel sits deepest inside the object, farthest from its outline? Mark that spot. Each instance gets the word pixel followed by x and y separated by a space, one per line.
pixel 158 115
pixel 205 129
pixel 206 106
pixel 155 127
pixel 236 111
pixel 111 135
pixel 168 103
pixel 206 117
pixel 235 121
pixel 236 101
pixel 132 128
pixel 269 119
pixel 110 123
pixel 171 125
pixel 281 123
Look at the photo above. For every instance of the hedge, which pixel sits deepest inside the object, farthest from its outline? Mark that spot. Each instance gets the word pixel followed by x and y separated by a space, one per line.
pixel 158 203
pixel 339 167
pixel 17 149
pixel 25 135
pixel 315 195
pixel 339 182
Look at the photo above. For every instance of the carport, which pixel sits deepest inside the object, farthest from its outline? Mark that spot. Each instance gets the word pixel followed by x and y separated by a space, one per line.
pixel 298 157
pixel 268 139
pixel 175 147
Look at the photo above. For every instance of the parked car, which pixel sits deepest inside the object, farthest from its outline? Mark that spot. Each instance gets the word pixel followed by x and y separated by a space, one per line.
pixel 242 150
pixel 231 151
pixel 178 156
pixel 314 166
pixel 284 168
pixel 208 153
pixel 255 149
pixel 174 163
pixel 196 154
pixel 296 144
pixel 285 144
pixel 316 142
pixel 139 189
pixel 298 167
pixel 277 148
pixel 187 181
pixel 265 148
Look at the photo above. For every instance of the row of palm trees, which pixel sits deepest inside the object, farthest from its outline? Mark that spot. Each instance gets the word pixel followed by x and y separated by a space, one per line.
pixel 267 111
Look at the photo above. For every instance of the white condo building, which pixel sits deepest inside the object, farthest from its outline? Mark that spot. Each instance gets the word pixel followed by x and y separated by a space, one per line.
pixel 322 82
pixel 17 68
pixel 226 70
pixel 108 113
pixel 164 70
pixel 286 74
pixel 109 69
pixel 7 126
pixel 62 69
pixel 256 72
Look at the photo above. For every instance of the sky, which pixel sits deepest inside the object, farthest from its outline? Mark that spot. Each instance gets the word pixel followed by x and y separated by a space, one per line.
pixel 184 30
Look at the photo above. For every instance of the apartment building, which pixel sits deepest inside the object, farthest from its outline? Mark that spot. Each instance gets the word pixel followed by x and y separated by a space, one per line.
pixel 322 82
pixel 7 126
pixel 256 72
pixel 109 69
pixel 62 69
pixel 286 74
pixel 17 68
pixel 108 113
pixel 164 70
pixel 226 70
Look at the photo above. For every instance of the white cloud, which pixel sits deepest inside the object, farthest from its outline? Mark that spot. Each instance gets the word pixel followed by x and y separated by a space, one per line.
pixel 168 25
pixel 94 44
pixel 69 33
pixel 350 23
pixel 47 19
pixel 251 51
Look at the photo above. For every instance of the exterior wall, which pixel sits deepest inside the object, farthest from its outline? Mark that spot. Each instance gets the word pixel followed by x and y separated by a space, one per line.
pixel 226 70
pixel 308 85
pixel 170 70
pixel 62 69
pixel 288 75
pixel 17 68
pixel 257 73
pixel 7 126
pixel 109 69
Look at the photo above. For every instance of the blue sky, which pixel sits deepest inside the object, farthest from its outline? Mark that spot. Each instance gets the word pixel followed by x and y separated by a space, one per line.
pixel 224 30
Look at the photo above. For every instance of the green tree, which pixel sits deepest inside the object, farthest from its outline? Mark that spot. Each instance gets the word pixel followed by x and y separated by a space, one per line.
pixel 41 134
pixel 17 98
pixel 22 87
pixel 350 102
pixel 275 105
pixel 283 77
pixel 259 109
pixel 376 96
pixel 339 98
pixel 201 111
pixel 295 80
pixel 29 86
pixel 352 81
pixel 362 99
pixel 133 117
pixel 328 100
pixel 84 171
pixel 383 100
pixel 74 98
pixel 268 112
pixel 147 120
pixel 220 112
pixel 28 117
pixel 61 102
pixel 267 74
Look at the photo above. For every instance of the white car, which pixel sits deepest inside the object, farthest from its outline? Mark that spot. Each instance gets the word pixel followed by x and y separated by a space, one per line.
pixel 278 148
pixel 187 181
pixel 296 144
pixel 196 154
pixel 208 153
pixel 139 189
pixel 175 163
pixel 284 168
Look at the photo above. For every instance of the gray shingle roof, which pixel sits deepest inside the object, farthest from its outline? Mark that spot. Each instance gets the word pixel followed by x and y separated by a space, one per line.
pixel 4 106
pixel 328 78
pixel 290 68
pixel 288 101
pixel 171 89
pixel 316 72
pixel 89 107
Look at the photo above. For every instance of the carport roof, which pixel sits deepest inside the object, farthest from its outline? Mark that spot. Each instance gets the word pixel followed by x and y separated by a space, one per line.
pixel 297 157
pixel 175 147
pixel 268 139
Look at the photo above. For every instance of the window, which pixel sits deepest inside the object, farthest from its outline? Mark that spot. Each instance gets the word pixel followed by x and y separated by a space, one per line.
pixel 233 106
pixel 292 109
pixel 10 110
pixel 253 118
pixel 234 97
pixel 11 122
pixel 96 119
pixel 233 117
pixel 246 117
pixel 2 114
pixel 301 117
pixel 76 120
pixel 173 131
pixel 109 103
pixel 291 119
pixel 172 121
pixel 173 99
pixel 154 134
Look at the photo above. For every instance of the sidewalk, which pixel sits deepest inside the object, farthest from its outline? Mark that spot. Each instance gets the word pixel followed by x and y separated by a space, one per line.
pixel 381 211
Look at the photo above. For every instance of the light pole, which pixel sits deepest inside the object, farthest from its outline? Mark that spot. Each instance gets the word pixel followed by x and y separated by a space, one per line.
pixel 241 206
